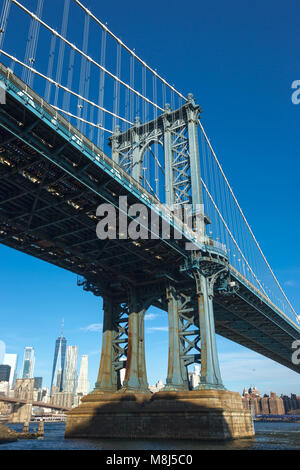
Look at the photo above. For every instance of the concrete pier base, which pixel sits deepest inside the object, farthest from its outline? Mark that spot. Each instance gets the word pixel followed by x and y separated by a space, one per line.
pixel 21 413
pixel 197 414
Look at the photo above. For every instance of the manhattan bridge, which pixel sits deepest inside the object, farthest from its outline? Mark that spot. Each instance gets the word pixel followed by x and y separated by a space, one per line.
pixel 85 121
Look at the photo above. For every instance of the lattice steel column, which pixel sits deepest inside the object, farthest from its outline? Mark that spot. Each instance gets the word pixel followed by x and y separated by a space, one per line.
pixel 210 369
pixel 168 157
pixel 114 334
pixel 137 155
pixel 135 376
pixel 192 117
pixel 175 379
pixel 184 338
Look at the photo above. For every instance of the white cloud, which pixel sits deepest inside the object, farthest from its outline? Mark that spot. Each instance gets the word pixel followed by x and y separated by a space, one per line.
pixel 95 352
pixel 93 327
pixel 292 283
pixel 158 328
pixel 151 316
pixel 242 369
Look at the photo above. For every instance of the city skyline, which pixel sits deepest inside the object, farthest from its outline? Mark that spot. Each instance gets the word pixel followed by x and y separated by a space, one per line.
pixel 83 386
pixel 73 356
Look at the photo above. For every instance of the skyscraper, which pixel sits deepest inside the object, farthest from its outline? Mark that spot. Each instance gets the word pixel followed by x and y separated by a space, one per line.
pixel 59 361
pixel 38 383
pixel 2 351
pixel 70 376
pixel 28 363
pixel 83 384
pixel 12 361
pixel 4 373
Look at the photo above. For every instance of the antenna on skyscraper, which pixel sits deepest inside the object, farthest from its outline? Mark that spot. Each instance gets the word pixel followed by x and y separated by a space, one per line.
pixel 62 327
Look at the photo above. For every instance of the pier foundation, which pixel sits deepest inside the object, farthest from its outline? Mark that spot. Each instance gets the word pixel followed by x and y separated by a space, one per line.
pixel 192 415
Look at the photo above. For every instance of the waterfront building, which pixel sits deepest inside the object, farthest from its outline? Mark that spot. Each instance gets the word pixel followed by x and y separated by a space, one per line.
pixel 28 363
pixel 291 403
pixel 265 405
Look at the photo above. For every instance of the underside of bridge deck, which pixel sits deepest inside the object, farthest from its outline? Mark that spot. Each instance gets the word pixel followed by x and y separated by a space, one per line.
pixel 52 179
pixel 49 193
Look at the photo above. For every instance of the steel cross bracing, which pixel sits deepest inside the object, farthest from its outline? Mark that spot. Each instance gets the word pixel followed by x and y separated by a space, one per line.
pixel 174 131
pixel 53 179
pixel 189 336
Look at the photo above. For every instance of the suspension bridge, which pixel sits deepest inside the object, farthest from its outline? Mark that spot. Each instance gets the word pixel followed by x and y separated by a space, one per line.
pixel 82 126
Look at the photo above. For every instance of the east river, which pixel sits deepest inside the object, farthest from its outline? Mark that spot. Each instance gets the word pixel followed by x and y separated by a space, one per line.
pixel 269 436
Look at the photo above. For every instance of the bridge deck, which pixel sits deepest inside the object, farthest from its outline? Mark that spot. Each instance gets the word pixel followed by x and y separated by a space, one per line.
pixel 39 404
pixel 52 179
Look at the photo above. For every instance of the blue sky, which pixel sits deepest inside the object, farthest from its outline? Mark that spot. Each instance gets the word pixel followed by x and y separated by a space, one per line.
pixel 239 58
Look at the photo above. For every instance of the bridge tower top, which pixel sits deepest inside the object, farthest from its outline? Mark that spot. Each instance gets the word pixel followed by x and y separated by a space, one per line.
pixel 176 131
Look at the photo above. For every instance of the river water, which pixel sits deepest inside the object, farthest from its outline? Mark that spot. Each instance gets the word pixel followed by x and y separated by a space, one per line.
pixel 269 436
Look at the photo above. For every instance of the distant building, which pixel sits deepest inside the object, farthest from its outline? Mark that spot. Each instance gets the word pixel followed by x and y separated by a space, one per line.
pixel 4 373
pixel 83 384
pixel 253 392
pixel 62 399
pixel 157 387
pixel 2 352
pixel 122 374
pixel 12 361
pixel 59 362
pixel 43 395
pixel 38 382
pixel 194 377
pixel 70 376
pixel 4 388
pixel 59 380
pixel 265 405
pixel 291 403
pixel 28 363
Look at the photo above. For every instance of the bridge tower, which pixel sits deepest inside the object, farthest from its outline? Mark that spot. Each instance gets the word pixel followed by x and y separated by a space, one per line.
pixel 192 337
pixel 22 411
pixel 177 132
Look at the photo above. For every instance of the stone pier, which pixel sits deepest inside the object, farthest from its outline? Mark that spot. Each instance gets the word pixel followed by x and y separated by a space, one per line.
pixel 132 411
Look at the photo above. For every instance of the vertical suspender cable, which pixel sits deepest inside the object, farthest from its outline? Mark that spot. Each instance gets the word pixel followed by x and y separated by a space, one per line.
pixel 66 101
pixel 80 124
pixel 4 17
pixel 61 52
pixel 117 86
pixel 132 110
pixel 47 93
pixel 101 114
pixel 30 54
